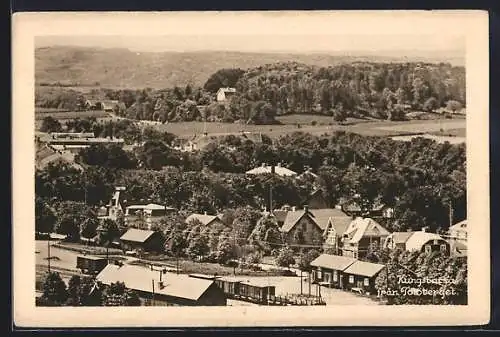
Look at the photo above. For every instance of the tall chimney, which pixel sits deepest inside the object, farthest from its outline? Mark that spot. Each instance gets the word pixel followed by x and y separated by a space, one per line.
pixel 205 212
pixel 306 208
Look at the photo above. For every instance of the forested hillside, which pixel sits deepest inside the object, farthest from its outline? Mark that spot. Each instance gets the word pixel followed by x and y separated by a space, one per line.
pixel 122 68
pixel 419 178
pixel 376 90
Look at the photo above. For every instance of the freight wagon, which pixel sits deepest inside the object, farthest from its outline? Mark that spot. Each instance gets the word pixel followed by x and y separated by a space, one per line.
pixel 244 290
pixel 91 264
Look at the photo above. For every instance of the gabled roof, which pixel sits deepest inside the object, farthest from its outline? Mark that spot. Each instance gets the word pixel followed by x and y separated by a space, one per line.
pixel 322 216
pixel 267 169
pixel 418 239
pixel 364 227
pixel 227 90
pixel 139 278
pixel 292 217
pixel 335 262
pixel 363 268
pixel 149 207
pixel 136 235
pixel 280 215
pixel 400 237
pixel 462 225
pixel 205 219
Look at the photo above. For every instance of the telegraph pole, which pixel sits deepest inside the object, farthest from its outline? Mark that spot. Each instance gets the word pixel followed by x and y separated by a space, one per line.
pixel 450 214
pixel 153 296
pixel 48 253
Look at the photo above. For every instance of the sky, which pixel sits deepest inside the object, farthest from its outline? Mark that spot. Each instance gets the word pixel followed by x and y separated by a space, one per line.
pixel 415 43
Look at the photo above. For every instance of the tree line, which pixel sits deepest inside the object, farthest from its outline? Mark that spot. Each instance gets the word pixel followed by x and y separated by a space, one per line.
pixel 378 90
pixel 84 291
pixel 421 179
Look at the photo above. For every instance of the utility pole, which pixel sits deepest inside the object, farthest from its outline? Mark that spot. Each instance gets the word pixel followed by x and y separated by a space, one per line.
pixel 301 280
pixel 48 253
pixel 450 214
pixel 309 278
pixel 234 250
pixel 153 296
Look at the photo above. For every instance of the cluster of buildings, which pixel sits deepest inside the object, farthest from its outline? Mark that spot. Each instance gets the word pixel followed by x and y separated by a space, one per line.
pixel 158 287
pixel 63 146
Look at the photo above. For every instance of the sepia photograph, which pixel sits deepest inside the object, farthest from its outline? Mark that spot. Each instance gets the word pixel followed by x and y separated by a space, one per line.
pixel 280 168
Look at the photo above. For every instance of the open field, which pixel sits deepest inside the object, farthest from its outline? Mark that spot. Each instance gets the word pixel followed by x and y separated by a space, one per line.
pixel 48 110
pixel 364 127
pixel 450 132
pixel 439 139
pixel 58 114
pixel 291 285
pixel 425 126
pixel 291 123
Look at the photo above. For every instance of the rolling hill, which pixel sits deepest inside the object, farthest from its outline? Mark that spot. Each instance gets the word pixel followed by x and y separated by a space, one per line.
pixel 122 68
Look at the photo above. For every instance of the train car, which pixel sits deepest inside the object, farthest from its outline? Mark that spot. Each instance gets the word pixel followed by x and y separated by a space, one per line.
pixel 256 292
pixel 247 290
pixel 92 265
pixel 230 287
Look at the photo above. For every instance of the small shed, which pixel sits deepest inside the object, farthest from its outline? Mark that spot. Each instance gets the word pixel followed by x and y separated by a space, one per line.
pixel 142 240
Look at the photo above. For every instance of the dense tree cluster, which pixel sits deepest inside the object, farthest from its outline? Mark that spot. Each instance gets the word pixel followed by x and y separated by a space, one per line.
pixel 379 90
pixel 84 291
pixel 422 278
pixel 421 179
pixel 223 78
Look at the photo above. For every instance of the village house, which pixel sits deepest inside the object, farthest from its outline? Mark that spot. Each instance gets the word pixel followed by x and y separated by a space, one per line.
pixel 378 210
pixel 103 105
pixel 457 235
pixel 223 94
pixel 360 276
pixel 161 288
pixel 149 214
pixel 75 141
pixel 317 200
pixel 334 231
pixel 45 155
pixel 458 231
pixel 115 207
pixel 361 235
pixel 421 241
pixel 142 240
pixel 328 270
pixel 308 174
pixel 307 226
pixel 344 272
pixel 299 227
pixel 208 221
pixel 272 169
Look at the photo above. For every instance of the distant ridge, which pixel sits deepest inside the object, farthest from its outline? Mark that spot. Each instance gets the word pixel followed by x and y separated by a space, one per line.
pixel 123 68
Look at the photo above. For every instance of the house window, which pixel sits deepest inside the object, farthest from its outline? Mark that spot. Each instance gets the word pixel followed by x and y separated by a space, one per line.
pixel 366 282
pixel 351 279
pixel 335 276
pixel 328 278
pixel 442 248
pixel 428 248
